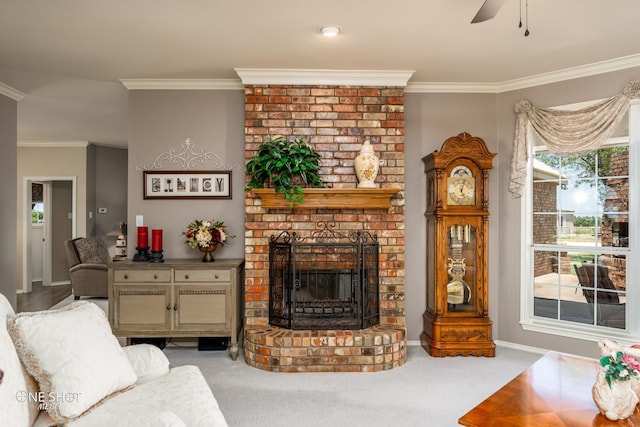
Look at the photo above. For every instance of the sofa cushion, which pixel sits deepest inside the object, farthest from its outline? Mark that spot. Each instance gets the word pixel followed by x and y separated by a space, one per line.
pixel 73 355
pixel 18 390
pixel 183 391
pixel 92 251
pixel 148 361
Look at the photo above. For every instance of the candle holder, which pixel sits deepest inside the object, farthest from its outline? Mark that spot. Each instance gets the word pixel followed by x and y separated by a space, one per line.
pixel 156 256
pixel 142 255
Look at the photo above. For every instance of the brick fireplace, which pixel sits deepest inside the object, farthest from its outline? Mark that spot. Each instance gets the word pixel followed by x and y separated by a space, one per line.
pixel 335 120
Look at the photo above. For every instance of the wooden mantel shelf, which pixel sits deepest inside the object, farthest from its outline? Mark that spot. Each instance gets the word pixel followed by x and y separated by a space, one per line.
pixel 330 198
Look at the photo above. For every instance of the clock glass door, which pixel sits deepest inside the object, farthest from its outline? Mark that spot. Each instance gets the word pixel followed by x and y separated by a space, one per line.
pixel 461 268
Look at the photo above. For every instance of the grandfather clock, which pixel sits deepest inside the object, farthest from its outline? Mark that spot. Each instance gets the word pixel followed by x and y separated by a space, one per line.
pixel 456 320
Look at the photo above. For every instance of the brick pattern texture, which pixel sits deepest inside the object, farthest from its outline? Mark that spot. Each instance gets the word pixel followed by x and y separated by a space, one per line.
pixel 335 120
pixel 371 350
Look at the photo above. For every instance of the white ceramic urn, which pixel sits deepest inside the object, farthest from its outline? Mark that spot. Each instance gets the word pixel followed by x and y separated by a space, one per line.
pixel 366 166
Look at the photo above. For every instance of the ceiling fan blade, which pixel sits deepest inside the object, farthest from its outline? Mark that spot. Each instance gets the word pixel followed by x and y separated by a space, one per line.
pixel 487 11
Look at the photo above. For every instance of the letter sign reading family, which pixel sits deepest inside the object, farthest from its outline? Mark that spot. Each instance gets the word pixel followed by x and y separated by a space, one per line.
pixel 187 185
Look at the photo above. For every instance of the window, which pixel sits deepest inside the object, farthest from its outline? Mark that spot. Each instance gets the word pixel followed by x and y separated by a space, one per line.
pixel 37 205
pixel 37 213
pixel 578 249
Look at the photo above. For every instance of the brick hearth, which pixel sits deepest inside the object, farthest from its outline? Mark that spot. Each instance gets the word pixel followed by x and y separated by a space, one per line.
pixel 335 120
pixel 282 350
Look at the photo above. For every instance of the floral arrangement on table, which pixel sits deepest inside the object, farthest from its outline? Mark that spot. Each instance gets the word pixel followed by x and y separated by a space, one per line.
pixel 619 366
pixel 204 233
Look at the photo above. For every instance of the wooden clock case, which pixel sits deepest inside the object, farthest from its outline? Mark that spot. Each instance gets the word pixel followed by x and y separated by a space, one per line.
pixel 456 320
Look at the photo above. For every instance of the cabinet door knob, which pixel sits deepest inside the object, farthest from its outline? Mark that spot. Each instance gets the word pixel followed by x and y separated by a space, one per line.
pixel 126 276
pixel 175 307
pixel 169 307
pixel 216 276
pixel 155 276
pixel 186 276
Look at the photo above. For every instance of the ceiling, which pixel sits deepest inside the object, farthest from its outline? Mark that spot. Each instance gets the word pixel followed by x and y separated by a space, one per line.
pixel 68 56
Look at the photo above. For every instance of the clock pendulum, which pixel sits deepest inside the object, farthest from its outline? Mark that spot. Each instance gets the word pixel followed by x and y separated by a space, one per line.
pixel 458 292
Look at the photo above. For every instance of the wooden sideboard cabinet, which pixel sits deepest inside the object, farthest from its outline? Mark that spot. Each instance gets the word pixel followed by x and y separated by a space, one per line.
pixel 177 298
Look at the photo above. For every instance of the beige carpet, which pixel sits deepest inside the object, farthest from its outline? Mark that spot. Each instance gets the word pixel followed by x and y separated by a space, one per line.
pixel 425 392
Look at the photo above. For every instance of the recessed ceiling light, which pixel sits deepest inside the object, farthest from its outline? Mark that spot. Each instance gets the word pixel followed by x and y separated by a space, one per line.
pixel 330 31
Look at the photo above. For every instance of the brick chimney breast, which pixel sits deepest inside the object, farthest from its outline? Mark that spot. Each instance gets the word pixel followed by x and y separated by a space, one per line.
pixel 335 120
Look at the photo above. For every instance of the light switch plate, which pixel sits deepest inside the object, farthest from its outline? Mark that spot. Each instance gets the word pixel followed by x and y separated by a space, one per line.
pixel 139 221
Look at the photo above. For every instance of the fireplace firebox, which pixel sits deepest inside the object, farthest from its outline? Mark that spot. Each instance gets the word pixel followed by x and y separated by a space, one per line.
pixel 328 280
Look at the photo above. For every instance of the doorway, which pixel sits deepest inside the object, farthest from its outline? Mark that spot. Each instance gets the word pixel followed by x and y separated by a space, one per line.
pixel 58 224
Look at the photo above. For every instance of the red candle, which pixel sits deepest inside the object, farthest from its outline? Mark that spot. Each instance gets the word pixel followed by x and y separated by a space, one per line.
pixel 143 237
pixel 156 240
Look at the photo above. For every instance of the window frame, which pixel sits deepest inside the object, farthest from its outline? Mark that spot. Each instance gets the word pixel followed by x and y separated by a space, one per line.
pixel 569 329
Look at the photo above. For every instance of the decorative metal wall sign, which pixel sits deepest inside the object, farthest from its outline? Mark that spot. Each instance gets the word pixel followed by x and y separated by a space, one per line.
pixel 187 185
pixel 187 157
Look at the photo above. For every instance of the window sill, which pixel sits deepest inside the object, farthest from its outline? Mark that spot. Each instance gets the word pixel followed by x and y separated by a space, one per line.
pixel 576 331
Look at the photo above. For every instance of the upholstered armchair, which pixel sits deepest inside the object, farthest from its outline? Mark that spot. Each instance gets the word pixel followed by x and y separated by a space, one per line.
pixel 88 259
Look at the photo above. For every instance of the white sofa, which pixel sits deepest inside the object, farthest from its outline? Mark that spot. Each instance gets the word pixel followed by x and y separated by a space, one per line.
pixel 64 367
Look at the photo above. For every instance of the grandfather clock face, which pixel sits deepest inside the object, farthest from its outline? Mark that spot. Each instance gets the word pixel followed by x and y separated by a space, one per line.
pixel 461 187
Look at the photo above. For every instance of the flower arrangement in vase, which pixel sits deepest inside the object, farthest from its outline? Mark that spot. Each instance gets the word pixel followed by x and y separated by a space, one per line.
pixel 206 235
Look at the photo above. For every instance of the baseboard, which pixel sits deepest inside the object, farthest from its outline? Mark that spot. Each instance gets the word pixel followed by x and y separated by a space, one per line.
pixel 499 343
pixel 521 347
pixel 61 283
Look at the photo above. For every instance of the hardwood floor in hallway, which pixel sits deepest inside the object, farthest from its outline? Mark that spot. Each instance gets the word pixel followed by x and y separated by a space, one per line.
pixel 42 297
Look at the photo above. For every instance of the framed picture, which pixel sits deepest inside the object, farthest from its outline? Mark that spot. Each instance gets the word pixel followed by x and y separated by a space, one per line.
pixel 187 185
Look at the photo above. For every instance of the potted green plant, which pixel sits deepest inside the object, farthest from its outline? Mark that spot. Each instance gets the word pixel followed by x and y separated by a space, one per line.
pixel 288 166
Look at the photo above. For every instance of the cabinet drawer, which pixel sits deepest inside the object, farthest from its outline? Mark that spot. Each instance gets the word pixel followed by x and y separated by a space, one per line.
pixel 196 275
pixel 142 276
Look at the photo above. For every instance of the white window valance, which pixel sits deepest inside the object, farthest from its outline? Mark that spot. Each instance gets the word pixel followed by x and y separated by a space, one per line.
pixel 567 132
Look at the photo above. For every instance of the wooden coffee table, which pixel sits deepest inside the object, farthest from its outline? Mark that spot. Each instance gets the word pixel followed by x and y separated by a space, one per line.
pixel 554 391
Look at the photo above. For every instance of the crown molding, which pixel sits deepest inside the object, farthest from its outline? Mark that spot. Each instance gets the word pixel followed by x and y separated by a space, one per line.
pixel 270 76
pixel 54 144
pixel 182 84
pixel 373 78
pixel 572 73
pixel 12 93
pixel 443 87
pixel 531 81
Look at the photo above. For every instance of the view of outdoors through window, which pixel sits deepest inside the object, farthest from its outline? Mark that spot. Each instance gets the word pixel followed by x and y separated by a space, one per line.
pixel 37 207
pixel 580 218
